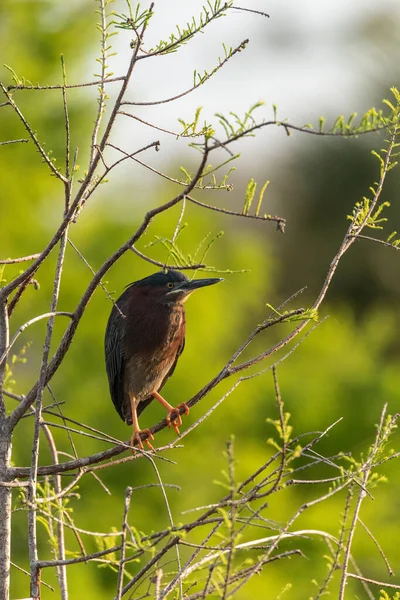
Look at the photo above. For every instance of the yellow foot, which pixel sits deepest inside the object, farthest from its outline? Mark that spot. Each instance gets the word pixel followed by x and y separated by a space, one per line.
pixel 174 418
pixel 137 440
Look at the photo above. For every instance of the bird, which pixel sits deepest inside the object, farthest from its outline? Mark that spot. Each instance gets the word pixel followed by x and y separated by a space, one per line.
pixel 144 338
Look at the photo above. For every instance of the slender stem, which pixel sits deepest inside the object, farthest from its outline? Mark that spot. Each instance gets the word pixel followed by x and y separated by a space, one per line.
pixel 32 532
pixel 120 580
pixel 32 135
pixel 12 261
pixel 4 342
pixel 5 512
pixel 361 495
pixel 61 568
pixel 102 94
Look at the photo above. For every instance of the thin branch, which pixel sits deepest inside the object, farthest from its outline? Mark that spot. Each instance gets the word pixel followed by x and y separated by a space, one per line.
pixel 184 38
pixel 21 289
pixel 102 177
pixel 102 94
pixel 32 523
pixel 120 579
pixel 280 220
pixel 33 136
pixel 251 10
pixel 174 133
pixel 360 498
pixel 288 126
pixel 67 137
pixel 49 315
pixel 11 141
pixel 42 564
pixel 149 565
pixel 12 261
pixel 377 241
pixel 381 552
pixel 61 569
pixel 4 344
pixel 157 263
pixel 61 86
pixel 239 48
pixel 373 581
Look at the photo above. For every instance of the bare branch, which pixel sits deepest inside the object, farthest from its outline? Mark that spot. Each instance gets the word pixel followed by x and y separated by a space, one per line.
pixel 381 584
pixel 45 88
pixel 12 261
pixel 11 141
pixel 239 48
pixel 32 135
pixel 280 220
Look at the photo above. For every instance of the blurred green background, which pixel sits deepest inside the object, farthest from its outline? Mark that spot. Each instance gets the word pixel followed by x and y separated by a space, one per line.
pixel 348 367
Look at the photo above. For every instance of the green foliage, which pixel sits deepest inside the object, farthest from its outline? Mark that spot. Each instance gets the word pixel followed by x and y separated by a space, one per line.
pixel 210 12
pixel 190 128
pixel 249 196
pixel 362 214
pixel 211 182
pixel 385 596
pixel 137 18
pixel 235 126
pixel 19 358
pixel 201 78
pixel 305 314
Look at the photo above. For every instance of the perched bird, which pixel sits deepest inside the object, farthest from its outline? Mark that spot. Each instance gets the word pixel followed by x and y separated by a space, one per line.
pixel 144 338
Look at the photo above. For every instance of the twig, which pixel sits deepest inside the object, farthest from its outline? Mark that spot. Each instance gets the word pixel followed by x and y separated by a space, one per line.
pixel 120 579
pixel 12 261
pixel 42 564
pixel 239 48
pixel 157 263
pixel 381 552
pixel 171 522
pixel 32 135
pixel 251 10
pixel 377 241
pixel 380 583
pixel 4 344
pixel 59 86
pixel 11 141
pixel 61 569
pixel 49 315
pixel 280 220
pixel 32 532
pixel 361 495
pixel 102 94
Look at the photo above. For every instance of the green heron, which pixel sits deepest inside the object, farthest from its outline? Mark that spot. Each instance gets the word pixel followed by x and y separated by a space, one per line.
pixel 144 338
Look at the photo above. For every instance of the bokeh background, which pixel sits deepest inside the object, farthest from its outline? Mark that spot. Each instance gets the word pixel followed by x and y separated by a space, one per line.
pixel 309 59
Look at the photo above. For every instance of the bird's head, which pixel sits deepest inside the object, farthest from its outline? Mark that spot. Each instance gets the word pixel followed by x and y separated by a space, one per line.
pixel 171 287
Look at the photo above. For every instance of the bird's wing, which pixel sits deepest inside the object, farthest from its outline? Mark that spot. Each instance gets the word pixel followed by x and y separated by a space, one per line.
pixel 144 403
pixel 115 361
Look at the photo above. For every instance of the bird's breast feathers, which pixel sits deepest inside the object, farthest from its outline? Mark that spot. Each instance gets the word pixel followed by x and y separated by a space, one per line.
pixel 159 342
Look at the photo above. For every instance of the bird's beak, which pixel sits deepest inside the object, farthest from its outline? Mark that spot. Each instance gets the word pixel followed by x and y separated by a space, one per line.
pixel 190 286
pixel 187 287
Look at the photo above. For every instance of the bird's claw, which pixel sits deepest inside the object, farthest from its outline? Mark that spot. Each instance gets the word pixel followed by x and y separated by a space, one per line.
pixel 174 418
pixel 137 440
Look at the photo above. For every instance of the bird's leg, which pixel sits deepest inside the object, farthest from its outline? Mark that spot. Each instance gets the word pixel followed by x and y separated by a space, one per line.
pixel 173 417
pixel 136 429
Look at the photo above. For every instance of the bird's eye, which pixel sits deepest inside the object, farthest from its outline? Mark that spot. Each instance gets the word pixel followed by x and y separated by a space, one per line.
pixel 170 285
